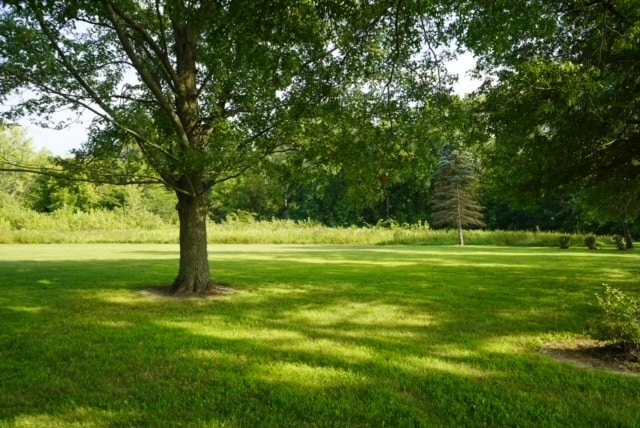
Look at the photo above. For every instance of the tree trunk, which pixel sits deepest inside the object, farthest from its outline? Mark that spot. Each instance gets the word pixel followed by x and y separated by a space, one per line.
pixel 193 275
pixel 628 240
pixel 459 216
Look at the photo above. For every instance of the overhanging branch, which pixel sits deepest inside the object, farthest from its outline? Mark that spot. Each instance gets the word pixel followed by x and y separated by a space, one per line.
pixel 112 178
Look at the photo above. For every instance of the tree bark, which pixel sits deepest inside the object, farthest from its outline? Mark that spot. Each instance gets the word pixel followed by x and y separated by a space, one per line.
pixel 193 276
pixel 628 240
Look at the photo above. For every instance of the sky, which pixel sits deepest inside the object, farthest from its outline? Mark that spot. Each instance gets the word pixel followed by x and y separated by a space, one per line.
pixel 60 142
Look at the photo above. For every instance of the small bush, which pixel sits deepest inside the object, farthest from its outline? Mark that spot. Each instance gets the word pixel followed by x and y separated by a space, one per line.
pixel 619 240
pixel 242 217
pixel 619 322
pixel 4 224
pixel 590 242
pixel 565 241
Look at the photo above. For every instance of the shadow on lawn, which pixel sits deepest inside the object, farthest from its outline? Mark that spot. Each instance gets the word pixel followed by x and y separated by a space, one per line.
pixel 349 342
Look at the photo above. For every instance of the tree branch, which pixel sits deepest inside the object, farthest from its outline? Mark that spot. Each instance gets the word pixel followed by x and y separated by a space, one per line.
pixel 158 51
pixel 162 28
pixel 116 179
pixel 109 118
pixel 147 78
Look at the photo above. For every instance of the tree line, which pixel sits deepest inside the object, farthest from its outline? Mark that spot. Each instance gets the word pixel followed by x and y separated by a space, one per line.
pixel 427 192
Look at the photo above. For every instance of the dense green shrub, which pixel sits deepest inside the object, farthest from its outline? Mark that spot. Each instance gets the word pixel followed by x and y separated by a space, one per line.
pixel 619 321
pixel 16 217
pixel 4 224
pixel 565 241
pixel 619 240
pixel 590 242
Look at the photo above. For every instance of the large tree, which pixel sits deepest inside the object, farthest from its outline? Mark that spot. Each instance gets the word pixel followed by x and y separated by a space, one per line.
pixel 563 100
pixel 191 93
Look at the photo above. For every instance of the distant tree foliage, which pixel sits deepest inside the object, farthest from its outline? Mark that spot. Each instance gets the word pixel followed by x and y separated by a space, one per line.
pixel 16 154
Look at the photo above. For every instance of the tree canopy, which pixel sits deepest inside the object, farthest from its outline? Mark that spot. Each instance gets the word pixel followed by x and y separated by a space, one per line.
pixel 564 95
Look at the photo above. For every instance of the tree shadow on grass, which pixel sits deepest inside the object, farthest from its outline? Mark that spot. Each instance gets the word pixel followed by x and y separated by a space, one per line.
pixel 341 344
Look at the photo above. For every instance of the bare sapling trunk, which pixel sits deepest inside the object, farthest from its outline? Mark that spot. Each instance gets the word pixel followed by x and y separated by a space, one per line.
pixel 193 276
pixel 459 217
pixel 460 234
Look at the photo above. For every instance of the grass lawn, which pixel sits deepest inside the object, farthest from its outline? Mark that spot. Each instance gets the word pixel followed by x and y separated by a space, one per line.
pixel 314 336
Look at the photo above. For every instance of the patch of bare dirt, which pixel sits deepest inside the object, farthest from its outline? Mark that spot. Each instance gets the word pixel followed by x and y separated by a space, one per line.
pixel 595 355
pixel 164 291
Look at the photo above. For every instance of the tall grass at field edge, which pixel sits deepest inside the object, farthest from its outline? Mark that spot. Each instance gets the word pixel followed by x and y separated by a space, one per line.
pixel 517 238
pixel 104 229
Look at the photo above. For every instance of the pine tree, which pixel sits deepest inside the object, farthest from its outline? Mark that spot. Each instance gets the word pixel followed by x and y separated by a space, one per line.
pixel 454 196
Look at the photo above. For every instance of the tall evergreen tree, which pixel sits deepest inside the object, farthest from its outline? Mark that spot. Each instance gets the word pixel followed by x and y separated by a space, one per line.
pixel 455 185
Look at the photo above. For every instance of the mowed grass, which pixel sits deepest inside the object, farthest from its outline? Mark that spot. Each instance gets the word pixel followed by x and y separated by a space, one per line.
pixel 348 336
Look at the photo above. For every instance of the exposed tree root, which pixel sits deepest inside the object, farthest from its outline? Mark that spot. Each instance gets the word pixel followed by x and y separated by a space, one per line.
pixel 168 292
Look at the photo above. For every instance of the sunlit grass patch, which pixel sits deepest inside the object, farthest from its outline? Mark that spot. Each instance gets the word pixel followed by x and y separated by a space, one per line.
pixel 74 416
pixel 307 376
pixel 421 365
